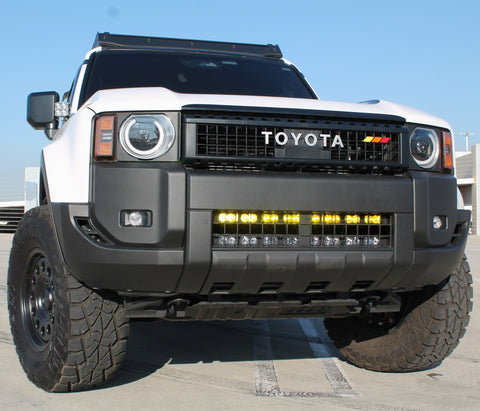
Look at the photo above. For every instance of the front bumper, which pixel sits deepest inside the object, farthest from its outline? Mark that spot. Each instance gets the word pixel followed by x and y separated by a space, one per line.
pixel 175 254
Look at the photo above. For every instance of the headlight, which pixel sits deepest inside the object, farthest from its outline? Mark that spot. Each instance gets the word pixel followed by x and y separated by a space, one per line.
pixel 424 147
pixel 147 136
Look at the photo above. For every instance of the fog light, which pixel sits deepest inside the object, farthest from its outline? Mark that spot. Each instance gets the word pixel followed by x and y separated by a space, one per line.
pixel 315 241
pixel 136 218
pixel 438 222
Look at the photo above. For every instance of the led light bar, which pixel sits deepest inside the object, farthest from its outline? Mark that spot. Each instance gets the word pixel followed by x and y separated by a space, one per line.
pixel 230 240
pixel 247 229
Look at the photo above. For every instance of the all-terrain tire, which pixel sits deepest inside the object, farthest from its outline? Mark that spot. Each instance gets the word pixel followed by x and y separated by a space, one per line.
pixel 430 326
pixel 68 337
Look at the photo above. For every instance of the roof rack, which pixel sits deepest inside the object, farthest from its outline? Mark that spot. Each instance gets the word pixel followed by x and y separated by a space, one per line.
pixel 108 40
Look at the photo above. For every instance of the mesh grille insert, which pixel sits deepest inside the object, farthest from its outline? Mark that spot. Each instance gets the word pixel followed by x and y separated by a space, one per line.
pixel 288 142
pixel 247 141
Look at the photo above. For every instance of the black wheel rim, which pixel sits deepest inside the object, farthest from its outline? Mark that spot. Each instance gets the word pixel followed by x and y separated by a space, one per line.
pixel 38 301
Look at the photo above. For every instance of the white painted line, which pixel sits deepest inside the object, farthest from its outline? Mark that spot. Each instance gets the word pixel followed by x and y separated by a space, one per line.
pixel 337 380
pixel 6 338
pixel 266 383
pixel 3 295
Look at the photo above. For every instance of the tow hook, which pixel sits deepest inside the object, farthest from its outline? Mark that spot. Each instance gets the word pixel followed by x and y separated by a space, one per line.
pixel 177 307
pixel 389 304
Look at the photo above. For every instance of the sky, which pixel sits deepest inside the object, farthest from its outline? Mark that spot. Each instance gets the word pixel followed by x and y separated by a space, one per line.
pixel 421 53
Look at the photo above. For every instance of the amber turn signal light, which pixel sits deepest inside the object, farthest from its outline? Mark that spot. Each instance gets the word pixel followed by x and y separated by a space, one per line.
pixel 447 151
pixel 104 133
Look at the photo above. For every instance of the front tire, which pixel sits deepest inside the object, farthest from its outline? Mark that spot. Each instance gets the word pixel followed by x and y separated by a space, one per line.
pixel 427 330
pixel 68 337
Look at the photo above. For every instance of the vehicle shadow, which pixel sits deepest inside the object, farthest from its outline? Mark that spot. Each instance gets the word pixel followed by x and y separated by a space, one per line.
pixel 154 344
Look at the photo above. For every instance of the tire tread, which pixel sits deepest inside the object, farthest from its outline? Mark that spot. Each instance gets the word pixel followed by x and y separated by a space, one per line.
pixel 421 340
pixel 92 331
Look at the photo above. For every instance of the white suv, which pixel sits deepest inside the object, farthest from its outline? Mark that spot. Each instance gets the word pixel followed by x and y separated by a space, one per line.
pixel 195 180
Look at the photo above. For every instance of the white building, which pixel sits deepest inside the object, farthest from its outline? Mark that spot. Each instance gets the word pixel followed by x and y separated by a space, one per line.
pixel 11 212
pixel 467 171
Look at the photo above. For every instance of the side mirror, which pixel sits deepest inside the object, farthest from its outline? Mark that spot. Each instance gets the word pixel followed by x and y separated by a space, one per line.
pixel 41 111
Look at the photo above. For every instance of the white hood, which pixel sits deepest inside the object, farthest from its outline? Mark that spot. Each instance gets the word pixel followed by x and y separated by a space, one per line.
pixel 162 99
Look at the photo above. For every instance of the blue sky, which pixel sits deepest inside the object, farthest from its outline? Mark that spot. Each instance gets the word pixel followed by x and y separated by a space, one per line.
pixel 424 54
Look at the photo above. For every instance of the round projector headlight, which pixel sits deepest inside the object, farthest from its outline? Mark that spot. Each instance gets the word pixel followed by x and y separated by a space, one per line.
pixel 424 147
pixel 147 136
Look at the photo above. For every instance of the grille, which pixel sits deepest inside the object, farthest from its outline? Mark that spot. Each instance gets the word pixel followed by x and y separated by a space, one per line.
pixel 10 218
pixel 232 141
pixel 300 142
pixel 247 141
pixel 259 229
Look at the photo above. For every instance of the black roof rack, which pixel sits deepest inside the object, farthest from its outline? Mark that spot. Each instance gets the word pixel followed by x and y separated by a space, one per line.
pixel 108 40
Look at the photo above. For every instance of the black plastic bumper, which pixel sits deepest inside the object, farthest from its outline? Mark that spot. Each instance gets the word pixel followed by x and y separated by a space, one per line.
pixel 175 254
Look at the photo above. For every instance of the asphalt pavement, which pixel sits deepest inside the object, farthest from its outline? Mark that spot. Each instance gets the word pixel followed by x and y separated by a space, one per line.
pixel 281 364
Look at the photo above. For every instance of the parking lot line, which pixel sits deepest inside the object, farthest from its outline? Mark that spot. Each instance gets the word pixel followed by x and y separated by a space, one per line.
pixel 335 377
pixel 3 294
pixel 266 383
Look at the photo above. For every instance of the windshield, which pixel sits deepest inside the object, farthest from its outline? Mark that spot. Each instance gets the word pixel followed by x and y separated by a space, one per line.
pixel 195 73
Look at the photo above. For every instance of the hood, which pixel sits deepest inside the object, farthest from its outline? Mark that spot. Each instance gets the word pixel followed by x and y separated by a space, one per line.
pixel 161 99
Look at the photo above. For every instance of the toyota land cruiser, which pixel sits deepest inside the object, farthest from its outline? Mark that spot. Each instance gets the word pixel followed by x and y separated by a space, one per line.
pixel 197 180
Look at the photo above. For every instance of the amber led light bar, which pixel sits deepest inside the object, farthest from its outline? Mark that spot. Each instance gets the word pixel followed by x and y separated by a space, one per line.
pixel 246 228
pixel 251 217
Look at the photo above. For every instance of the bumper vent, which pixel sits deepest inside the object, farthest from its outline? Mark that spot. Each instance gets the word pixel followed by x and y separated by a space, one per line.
pixel 90 232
